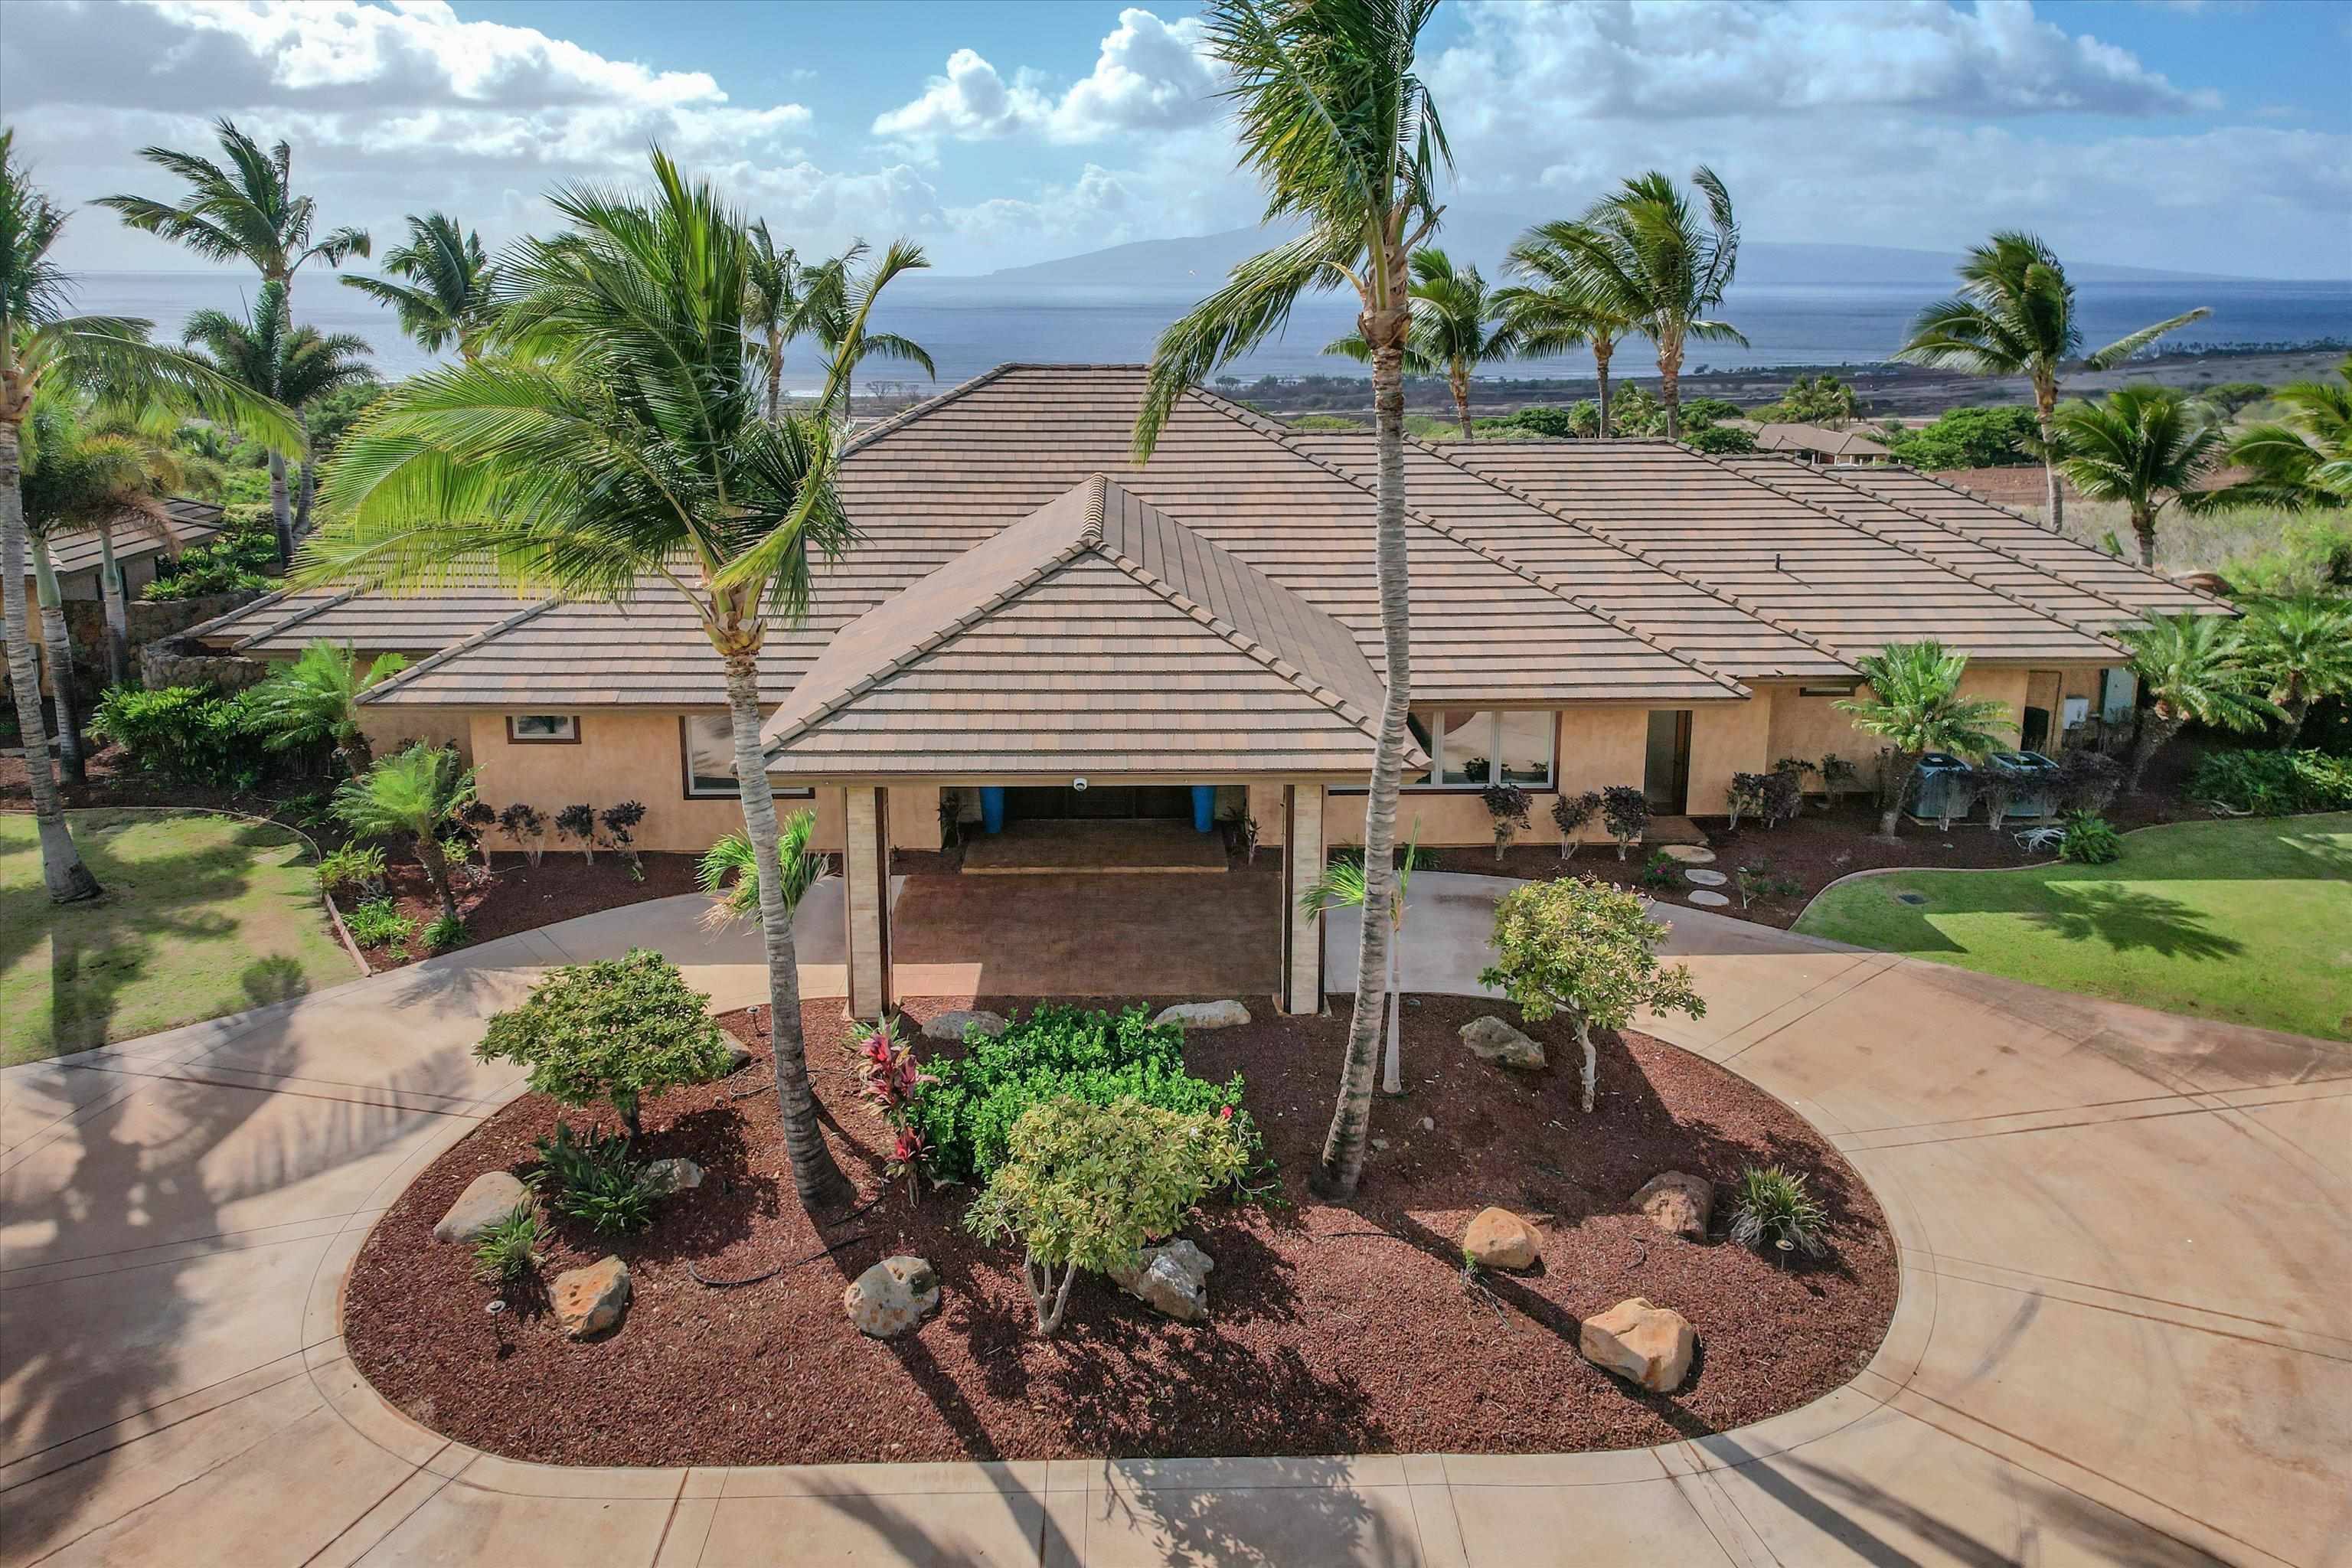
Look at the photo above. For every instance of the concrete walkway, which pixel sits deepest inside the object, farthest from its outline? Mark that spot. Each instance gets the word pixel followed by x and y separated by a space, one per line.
pixel 2125 1334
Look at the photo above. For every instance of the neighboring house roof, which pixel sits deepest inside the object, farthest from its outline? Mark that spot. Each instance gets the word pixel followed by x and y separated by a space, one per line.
pixel 1786 436
pixel 1097 635
pixel 288 621
pixel 189 522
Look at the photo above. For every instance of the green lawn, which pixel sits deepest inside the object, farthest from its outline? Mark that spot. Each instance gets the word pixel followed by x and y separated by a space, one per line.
pixel 202 915
pixel 2250 922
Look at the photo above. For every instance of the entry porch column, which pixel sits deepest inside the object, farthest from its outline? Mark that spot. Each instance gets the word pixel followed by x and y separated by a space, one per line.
pixel 866 897
pixel 1302 865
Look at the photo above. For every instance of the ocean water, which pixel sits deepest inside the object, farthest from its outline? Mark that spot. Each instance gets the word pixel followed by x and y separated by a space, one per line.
pixel 969 324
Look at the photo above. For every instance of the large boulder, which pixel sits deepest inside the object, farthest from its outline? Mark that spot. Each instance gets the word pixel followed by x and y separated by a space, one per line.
pixel 951 1025
pixel 1492 1040
pixel 1497 1238
pixel 1171 1279
pixel 894 1296
pixel 487 1199
pixel 1641 1344
pixel 664 1177
pixel 591 1300
pixel 1204 1015
pixel 739 1057
pixel 1678 1201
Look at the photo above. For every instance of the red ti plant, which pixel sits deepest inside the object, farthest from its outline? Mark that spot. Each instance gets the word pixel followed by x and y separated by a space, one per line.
pixel 892 1083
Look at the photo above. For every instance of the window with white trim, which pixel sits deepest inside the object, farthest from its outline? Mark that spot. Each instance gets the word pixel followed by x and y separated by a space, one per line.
pixel 1472 748
pixel 708 744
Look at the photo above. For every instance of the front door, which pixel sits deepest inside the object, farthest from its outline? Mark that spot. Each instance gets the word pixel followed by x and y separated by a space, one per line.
pixel 1665 768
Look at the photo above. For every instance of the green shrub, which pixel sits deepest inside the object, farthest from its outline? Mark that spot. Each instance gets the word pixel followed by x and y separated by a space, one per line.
pixel 187 735
pixel 1059 1052
pixel 239 558
pixel 1709 410
pixel 2090 840
pixel 1086 1186
pixel 1968 438
pixel 1545 421
pixel 1771 1209
pixel 2273 783
pixel 1722 440
pixel 379 923
pixel 594 1179
pixel 443 934
pixel 1658 871
pixel 509 1251
pixel 352 866
pixel 614 1031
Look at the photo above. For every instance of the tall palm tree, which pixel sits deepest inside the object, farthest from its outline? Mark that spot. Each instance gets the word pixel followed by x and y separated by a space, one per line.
pixel 1343 137
pixel 625 453
pixel 1915 707
pixel 444 294
pixel 418 792
pixel 2300 651
pixel 778 304
pixel 1458 324
pixel 2145 445
pixel 57 646
pixel 1553 312
pixel 2303 458
pixel 2014 315
pixel 42 347
pixel 292 366
pixel 2191 666
pixel 841 297
pixel 1644 254
pixel 243 211
pixel 314 701
pixel 1343 886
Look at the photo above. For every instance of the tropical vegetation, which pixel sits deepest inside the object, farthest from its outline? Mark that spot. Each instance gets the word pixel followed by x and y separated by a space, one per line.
pixel 2190 667
pixel 1344 886
pixel 1915 707
pixel 439 286
pixel 2298 651
pixel 418 793
pixel 314 701
pixel 1458 324
pixel 616 1033
pixel 2302 458
pixel 2143 446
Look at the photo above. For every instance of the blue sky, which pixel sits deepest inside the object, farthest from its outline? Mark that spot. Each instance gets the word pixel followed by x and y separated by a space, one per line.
pixel 2213 136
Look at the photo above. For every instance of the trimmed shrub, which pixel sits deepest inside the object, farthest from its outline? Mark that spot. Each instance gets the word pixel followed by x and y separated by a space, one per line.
pixel 379 923
pixel 2088 779
pixel 1625 811
pixel 187 734
pixel 2273 783
pixel 2090 840
pixel 1570 812
pixel 1771 1211
pixel 1509 804
pixel 1059 1052
pixel 614 1031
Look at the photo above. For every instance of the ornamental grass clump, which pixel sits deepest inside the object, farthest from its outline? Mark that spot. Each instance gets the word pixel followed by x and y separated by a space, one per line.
pixel 594 1179
pixel 1086 1187
pixel 613 1032
pixel 509 1251
pixel 1771 1211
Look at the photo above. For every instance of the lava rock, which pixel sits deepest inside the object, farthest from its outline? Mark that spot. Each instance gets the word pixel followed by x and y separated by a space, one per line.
pixel 951 1025
pixel 1678 1201
pixel 1640 1342
pixel 591 1300
pixel 1172 1280
pixel 893 1297
pixel 1497 1238
pixel 1204 1015
pixel 1492 1040
pixel 486 1201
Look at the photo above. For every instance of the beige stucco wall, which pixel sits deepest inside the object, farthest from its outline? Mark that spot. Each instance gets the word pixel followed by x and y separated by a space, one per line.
pixel 1598 747
pixel 1728 739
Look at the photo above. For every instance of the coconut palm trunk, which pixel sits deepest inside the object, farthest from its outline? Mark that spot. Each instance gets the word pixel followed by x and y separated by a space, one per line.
pixel 1459 380
pixel 1602 347
pixel 57 648
pixel 306 491
pixel 815 1177
pixel 62 872
pixel 1669 384
pixel 116 602
pixel 281 512
pixel 775 373
pixel 2053 488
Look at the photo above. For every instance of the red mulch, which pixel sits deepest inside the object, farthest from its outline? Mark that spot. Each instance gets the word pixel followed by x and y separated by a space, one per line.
pixel 1338 1327
pixel 521 896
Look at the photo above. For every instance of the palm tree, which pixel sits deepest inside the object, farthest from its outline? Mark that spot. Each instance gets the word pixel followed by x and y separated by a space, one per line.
pixel 266 353
pixel 57 646
pixel 1915 707
pixel 2145 447
pixel 1553 312
pixel 779 304
pixel 419 791
pixel 2191 666
pixel 314 701
pixel 2300 650
pixel 2014 315
pixel 1342 887
pixel 1344 137
pixel 840 302
pixel 728 871
pixel 444 296
pixel 41 347
pixel 1458 324
pixel 2302 459
pixel 247 211
pixel 631 456
pixel 1643 255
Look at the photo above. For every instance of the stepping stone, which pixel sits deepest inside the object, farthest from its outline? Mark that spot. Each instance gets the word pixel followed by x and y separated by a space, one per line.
pixel 1708 900
pixel 1690 853
pixel 1699 876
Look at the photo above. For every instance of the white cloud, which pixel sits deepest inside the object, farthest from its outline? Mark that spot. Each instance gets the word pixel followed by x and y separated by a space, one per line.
pixel 1150 75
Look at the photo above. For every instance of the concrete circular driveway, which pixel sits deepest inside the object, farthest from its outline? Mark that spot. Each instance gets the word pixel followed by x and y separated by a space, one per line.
pixel 2124 1332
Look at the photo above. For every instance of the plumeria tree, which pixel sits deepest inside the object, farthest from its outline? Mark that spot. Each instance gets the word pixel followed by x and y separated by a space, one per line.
pixel 1344 139
pixel 1915 707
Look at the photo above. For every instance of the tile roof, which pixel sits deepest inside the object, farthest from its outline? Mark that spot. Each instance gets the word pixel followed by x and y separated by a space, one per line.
pixel 1786 436
pixel 288 621
pixel 190 523
pixel 1097 635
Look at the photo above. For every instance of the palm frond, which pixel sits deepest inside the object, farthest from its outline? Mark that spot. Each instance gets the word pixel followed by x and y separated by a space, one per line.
pixel 1251 308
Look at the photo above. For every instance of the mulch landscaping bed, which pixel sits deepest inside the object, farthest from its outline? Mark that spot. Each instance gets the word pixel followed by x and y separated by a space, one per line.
pixel 1337 1328
pixel 520 896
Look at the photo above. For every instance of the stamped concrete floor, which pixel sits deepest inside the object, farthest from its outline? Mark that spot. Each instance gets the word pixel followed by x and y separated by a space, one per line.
pixel 2123 1335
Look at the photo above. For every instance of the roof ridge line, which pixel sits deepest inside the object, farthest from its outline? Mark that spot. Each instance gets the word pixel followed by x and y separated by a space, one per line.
pixel 928 646
pixel 906 416
pixel 1251 419
pixel 331 601
pixel 276 595
pixel 1888 539
pixel 1966 494
pixel 463 646
pixel 1097 500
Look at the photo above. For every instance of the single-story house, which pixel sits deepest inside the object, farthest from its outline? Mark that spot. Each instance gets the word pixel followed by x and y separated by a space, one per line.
pixel 1029 611
pixel 1819 443
pixel 75 554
